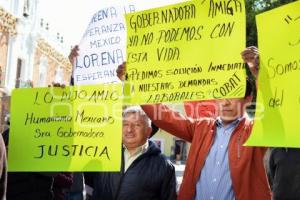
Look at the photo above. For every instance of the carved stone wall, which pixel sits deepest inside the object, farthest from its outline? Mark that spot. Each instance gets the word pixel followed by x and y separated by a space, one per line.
pixel 4 36
pixel 8 29
pixel 8 22
pixel 54 60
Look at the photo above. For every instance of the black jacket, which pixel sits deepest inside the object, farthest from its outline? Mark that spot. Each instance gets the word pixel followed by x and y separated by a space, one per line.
pixel 3 172
pixel 284 173
pixel 150 177
pixel 29 186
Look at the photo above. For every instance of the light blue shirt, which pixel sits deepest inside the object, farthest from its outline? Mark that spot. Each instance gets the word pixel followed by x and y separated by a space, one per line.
pixel 215 181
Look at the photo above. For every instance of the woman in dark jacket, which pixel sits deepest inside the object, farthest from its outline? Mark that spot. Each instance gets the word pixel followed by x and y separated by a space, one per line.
pixel 3 172
pixel 28 185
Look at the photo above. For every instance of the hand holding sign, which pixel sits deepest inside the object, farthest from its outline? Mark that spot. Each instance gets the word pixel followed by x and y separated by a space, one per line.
pixel 251 56
pixel 73 55
pixel 121 71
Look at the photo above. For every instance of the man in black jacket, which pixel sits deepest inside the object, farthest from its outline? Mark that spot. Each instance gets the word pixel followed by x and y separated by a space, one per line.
pixel 145 173
pixel 284 173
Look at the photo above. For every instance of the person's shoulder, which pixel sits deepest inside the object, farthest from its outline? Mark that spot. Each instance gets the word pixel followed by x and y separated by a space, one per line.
pixel 165 165
pixel 205 120
pixel 249 121
pixel 164 161
pixel 204 123
pixel 156 154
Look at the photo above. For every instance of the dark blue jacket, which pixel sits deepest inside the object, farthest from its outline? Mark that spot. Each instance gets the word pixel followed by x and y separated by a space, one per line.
pixel 150 177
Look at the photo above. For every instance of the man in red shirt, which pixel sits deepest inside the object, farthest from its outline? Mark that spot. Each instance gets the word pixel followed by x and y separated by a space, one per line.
pixel 218 165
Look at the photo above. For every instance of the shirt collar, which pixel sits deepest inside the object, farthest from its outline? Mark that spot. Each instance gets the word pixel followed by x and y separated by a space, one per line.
pixel 219 122
pixel 141 149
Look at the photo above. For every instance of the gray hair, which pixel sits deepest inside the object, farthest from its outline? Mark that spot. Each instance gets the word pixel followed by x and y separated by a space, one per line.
pixel 137 110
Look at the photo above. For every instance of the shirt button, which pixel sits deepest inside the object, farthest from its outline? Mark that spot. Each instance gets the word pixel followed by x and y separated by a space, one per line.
pixel 221 146
pixel 211 198
pixel 218 163
pixel 214 180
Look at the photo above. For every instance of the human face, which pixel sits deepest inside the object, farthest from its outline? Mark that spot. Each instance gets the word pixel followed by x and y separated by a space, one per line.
pixel 232 109
pixel 135 130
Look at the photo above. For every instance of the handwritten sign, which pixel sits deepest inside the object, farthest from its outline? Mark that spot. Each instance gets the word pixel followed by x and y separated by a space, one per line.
pixel 189 51
pixel 278 100
pixel 71 129
pixel 103 46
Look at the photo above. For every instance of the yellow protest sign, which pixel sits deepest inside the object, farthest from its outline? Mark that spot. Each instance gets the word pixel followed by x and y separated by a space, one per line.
pixel 187 51
pixel 278 101
pixel 66 129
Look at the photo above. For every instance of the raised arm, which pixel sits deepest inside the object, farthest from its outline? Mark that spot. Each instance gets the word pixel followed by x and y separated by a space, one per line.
pixel 73 54
pixel 173 122
pixel 251 56
pixel 72 58
pixel 163 117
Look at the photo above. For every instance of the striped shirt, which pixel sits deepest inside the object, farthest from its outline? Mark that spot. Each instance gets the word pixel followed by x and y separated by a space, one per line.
pixel 215 181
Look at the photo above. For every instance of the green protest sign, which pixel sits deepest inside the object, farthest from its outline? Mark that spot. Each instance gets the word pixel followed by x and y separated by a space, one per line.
pixel 278 97
pixel 187 51
pixel 66 129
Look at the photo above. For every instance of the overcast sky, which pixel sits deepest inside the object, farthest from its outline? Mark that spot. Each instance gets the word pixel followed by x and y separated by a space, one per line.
pixel 69 17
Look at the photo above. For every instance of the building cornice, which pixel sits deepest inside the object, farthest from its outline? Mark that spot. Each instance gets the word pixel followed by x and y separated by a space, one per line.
pixel 53 53
pixel 8 23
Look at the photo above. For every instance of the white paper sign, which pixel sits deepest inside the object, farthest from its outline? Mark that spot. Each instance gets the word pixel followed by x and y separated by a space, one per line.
pixel 103 46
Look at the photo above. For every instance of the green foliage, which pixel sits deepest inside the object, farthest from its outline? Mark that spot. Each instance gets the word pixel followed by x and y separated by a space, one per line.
pixel 254 7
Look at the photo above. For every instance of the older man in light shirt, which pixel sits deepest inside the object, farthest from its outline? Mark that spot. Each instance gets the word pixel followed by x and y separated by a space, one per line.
pixel 145 173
